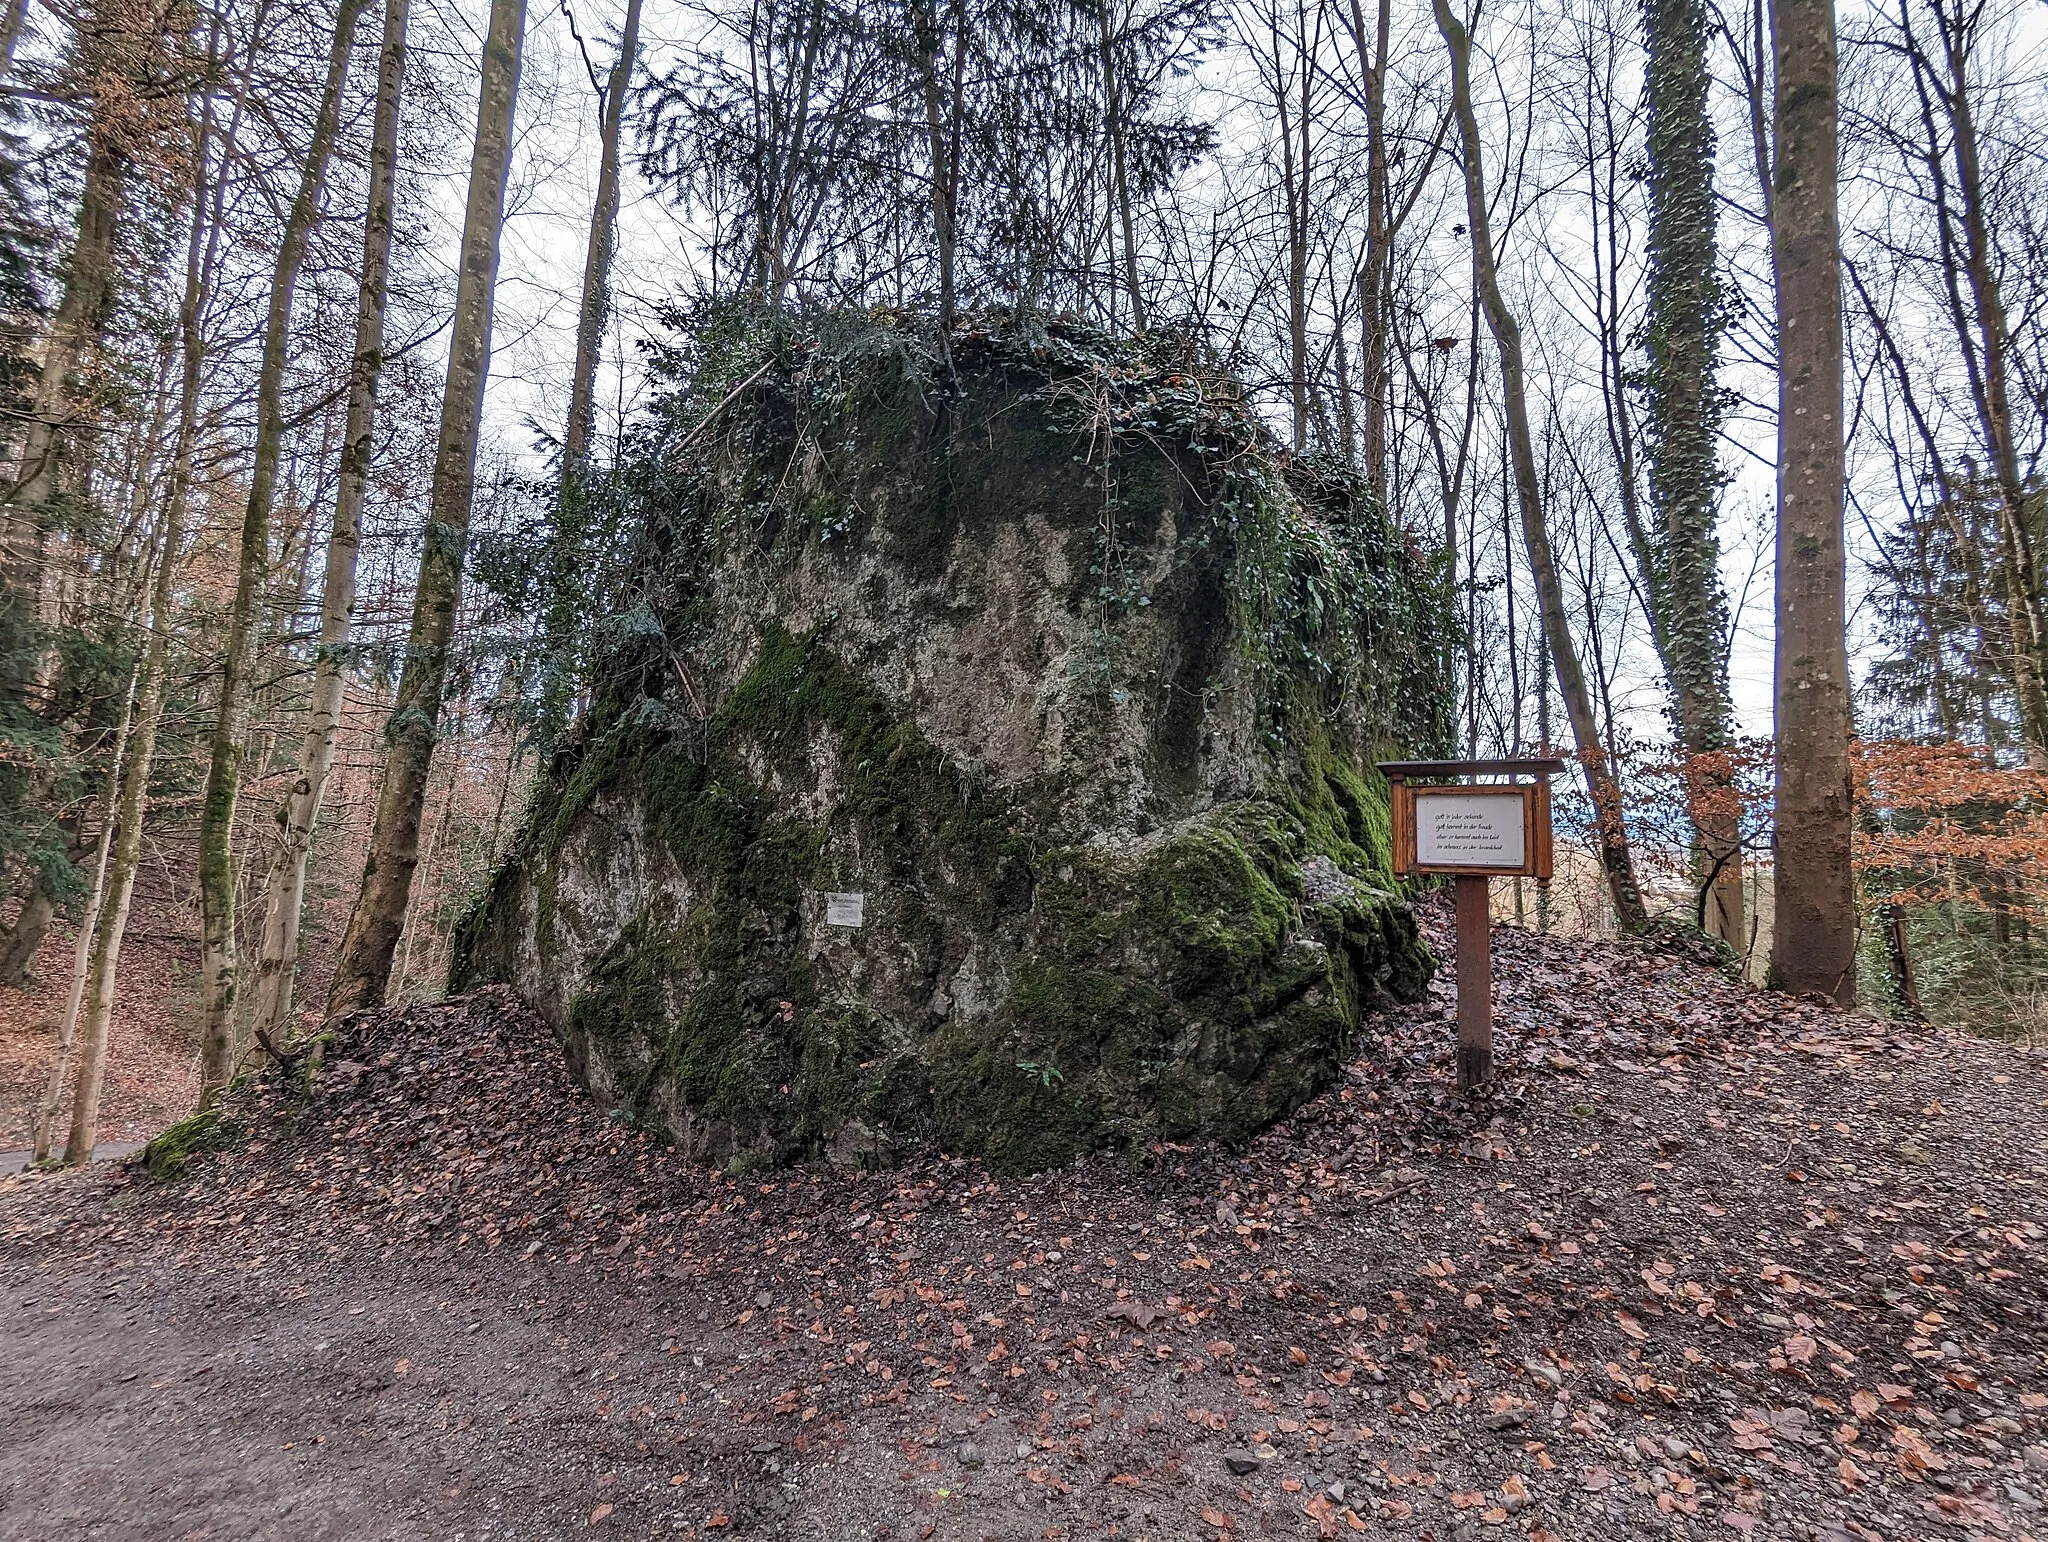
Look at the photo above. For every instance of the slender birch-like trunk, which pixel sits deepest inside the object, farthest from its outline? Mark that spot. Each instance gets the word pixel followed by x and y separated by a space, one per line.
pixel 52 1105
pixel 1615 858
pixel 277 959
pixel 219 963
pixel 363 972
pixel 1813 947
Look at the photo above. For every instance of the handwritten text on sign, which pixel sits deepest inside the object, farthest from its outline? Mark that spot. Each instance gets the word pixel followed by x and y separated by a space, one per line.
pixel 1469 830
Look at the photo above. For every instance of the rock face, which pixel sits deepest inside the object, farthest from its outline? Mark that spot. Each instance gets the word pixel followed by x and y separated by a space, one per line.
pixel 1047 660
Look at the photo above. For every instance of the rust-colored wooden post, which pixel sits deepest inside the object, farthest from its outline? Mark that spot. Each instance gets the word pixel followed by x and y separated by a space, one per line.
pixel 1475 982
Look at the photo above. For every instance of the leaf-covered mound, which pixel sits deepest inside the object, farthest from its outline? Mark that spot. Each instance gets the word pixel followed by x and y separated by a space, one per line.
pixel 1038 644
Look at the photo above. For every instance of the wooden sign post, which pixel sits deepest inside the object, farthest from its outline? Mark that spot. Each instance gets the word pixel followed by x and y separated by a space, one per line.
pixel 1473 831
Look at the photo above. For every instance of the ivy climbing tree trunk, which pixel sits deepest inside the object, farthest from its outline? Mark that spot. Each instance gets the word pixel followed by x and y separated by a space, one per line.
pixel 1689 609
pixel 1814 942
pixel 364 970
pixel 1615 858
pixel 277 960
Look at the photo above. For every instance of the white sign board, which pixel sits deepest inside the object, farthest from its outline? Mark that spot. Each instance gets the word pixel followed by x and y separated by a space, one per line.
pixel 1470 829
pixel 845 909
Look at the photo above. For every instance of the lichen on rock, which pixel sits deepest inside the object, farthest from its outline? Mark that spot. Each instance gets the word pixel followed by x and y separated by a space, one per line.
pixel 1040 645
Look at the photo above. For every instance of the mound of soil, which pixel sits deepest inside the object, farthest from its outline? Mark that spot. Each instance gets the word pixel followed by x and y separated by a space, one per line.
pixel 1711 1260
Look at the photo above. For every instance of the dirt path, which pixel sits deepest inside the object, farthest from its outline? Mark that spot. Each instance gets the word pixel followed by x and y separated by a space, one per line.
pixel 1712 1264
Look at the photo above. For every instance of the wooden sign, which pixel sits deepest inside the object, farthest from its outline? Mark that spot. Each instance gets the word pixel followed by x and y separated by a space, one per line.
pixel 1490 831
pixel 1473 832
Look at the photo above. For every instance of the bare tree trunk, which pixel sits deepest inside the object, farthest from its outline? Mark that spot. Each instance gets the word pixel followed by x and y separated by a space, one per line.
pixel 56 441
pixel 364 970
pixel 571 515
pixel 1814 943
pixel 1899 954
pixel 25 938
pixel 219 963
pixel 10 34
pixel 1988 373
pixel 436 839
pixel 1373 373
pixel 1615 858
pixel 945 116
pixel 52 1105
pixel 57 413
pixel 277 962
pixel 151 682
pixel 1297 148
pixel 1120 182
pixel 597 261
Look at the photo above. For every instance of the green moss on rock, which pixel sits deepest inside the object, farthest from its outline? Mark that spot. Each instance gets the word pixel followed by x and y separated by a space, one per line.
pixel 167 1154
pixel 1090 729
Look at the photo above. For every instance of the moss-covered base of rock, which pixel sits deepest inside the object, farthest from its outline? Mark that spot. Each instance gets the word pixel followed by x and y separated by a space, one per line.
pixel 167 1154
pixel 1090 737
pixel 1027 1002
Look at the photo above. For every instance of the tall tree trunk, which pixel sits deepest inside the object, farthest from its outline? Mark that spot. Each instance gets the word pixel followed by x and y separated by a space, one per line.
pixel 58 414
pixel 597 261
pixel 201 253
pixel 219 963
pixel 52 1105
pixel 1373 373
pixel 945 116
pixel 1119 172
pixel 1683 584
pixel 1814 942
pixel 437 838
pixel 571 515
pixel 1615 858
pixel 364 969
pixel 1988 372
pixel 10 34
pixel 277 962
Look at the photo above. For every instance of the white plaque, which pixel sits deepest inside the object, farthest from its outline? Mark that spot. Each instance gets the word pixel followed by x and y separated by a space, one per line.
pixel 1469 829
pixel 845 909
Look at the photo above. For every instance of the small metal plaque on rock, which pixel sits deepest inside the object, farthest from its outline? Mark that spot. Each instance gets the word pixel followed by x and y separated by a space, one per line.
pixel 845 909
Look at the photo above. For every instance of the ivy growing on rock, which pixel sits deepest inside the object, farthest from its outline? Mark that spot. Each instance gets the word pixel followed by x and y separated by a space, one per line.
pixel 1042 644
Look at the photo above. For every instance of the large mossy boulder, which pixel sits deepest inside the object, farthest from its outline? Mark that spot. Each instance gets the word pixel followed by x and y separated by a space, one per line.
pixel 1045 651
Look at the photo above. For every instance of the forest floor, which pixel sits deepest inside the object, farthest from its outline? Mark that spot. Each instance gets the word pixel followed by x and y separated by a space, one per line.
pixel 1711 1261
pixel 152 1056
pixel 152 1053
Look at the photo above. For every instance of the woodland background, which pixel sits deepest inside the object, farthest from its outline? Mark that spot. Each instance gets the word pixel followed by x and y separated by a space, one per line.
pixel 320 327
